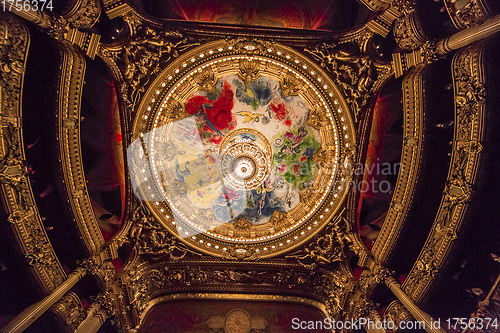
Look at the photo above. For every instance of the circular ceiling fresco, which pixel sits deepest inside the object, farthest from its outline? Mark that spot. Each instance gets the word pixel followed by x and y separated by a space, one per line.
pixel 239 148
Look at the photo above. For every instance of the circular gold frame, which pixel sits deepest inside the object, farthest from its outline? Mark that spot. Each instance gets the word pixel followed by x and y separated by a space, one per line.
pixel 329 113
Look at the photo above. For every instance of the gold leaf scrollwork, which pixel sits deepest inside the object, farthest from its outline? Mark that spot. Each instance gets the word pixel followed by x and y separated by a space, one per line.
pixel 242 228
pixel 206 79
pixel 290 85
pixel 71 309
pixel 324 158
pixel 317 118
pixel 279 221
pixel 249 70
pixel 174 110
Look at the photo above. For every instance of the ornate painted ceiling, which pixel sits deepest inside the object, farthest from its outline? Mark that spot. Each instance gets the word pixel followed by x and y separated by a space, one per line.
pixel 230 166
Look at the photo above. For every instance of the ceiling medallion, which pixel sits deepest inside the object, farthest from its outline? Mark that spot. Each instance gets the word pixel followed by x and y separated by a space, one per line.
pixel 245 157
pixel 242 153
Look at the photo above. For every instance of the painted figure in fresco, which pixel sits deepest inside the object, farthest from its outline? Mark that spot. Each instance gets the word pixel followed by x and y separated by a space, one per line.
pixel 293 141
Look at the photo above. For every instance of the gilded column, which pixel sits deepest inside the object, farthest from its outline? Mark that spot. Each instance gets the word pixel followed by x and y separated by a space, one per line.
pixel 408 32
pixel 431 325
pixel 71 309
pixel 375 324
pixel 101 309
pixel 28 316
pixel 396 313
pixel 470 35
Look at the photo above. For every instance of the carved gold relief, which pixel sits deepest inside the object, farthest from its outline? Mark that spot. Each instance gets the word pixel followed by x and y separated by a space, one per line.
pixel 249 70
pixel 174 110
pixel 413 112
pixel 238 240
pixel 14 184
pixel 290 85
pixel 206 79
pixel 71 309
pixel 469 108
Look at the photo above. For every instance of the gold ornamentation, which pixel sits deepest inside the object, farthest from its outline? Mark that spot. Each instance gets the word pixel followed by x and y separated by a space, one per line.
pixel 469 108
pixel 291 84
pixel 176 189
pixel 105 302
pixel 324 249
pixel 413 109
pixel 397 313
pixel 206 79
pixel 408 32
pixel 71 88
pixel 152 238
pixel 16 190
pixel 317 118
pixel 242 228
pixel 173 111
pixel 245 163
pixel 471 14
pixel 162 278
pixel 224 57
pixel 249 70
pixel 279 221
pixel 250 47
pixel 138 61
pixel 84 15
pixel 324 158
pixel 355 73
pixel 71 310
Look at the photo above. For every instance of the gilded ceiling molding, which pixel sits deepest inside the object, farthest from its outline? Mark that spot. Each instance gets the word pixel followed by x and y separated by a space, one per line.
pixel 71 310
pixel 137 63
pixel 102 307
pixel 82 16
pixel 410 157
pixel 298 76
pixel 70 95
pixel 470 14
pixel 358 76
pixel 467 69
pixel 115 8
pixel 144 283
pixel 16 192
pixel 388 11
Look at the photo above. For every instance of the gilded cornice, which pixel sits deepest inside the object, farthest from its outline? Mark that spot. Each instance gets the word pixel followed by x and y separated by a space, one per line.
pixel 17 195
pixel 410 157
pixel 143 286
pixel 70 94
pixel 467 69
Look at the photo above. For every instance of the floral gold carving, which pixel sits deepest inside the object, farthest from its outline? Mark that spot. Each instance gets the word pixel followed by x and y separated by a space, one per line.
pixel 290 85
pixel 16 190
pixel 174 110
pixel 206 79
pixel 71 309
pixel 249 70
